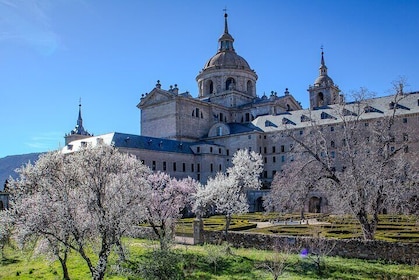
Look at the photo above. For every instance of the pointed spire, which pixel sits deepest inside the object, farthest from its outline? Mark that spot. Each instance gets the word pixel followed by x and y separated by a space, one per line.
pixel 226 40
pixel 79 119
pixel 323 68
pixel 225 22
pixel 322 61
pixel 79 129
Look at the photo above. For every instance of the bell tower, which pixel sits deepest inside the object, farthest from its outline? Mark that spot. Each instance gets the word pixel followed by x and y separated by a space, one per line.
pixel 324 91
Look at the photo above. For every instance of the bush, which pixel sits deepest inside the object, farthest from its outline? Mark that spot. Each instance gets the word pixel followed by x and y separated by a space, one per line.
pixel 161 265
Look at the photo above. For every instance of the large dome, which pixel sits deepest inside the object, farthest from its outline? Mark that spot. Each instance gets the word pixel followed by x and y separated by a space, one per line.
pixel 227 59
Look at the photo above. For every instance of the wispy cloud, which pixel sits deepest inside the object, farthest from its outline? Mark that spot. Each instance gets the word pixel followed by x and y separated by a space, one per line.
pixel 27 22
pixel 46 141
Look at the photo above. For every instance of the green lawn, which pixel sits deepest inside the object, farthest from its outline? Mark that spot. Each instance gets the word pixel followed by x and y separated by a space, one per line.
pixel 209 262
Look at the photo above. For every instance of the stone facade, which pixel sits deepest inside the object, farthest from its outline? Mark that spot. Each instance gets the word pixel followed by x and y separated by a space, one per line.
pixel 197 137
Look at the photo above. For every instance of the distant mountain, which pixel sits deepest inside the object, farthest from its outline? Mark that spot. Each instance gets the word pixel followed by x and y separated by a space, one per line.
pixel 9 164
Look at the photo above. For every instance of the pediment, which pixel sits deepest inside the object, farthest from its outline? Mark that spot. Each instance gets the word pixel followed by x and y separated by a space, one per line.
pixel 156 96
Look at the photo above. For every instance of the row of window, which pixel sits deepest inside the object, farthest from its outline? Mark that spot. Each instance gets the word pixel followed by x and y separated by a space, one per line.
pixel 211 150
pixel 281 150
pixel 183 167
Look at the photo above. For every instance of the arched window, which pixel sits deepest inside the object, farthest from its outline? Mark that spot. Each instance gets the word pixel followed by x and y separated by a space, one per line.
pixel 320 99
pixel 250 87
pixel 210 87
pixel 230 84
pixel 219 131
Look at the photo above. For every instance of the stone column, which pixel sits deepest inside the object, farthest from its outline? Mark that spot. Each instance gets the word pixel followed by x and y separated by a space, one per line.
pixel 198 231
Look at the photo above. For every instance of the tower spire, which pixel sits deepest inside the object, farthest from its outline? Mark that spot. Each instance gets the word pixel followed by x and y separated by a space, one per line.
pixel 225 21
pixel 79 129
pixel 226 40
pixel 79 119
pixel 78 132
pixel 323 68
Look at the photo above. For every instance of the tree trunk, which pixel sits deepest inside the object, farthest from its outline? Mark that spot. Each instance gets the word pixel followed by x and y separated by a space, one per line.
pixel 302 214
pixel 64 267
pixel 368 228
pixel 120 249
pixel 99 270
pixel 228 222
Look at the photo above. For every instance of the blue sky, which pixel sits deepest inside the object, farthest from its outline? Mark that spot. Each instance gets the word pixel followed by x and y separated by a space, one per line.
pixel 108 53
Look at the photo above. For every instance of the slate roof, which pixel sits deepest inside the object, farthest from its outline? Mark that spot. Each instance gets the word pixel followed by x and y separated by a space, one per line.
pixel 236 128
pixel 332 114
pixel 131 141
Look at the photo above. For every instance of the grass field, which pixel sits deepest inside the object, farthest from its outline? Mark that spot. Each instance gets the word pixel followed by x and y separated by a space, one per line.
pixel 210 262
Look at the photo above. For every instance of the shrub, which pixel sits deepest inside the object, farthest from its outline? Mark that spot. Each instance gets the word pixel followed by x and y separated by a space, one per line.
pixel 161 265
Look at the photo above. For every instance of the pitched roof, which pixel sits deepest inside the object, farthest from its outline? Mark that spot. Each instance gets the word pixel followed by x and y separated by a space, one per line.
pixel 332 114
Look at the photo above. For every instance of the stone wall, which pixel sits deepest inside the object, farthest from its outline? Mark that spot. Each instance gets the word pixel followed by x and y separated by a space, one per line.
pixel 351 248
pixel 407 253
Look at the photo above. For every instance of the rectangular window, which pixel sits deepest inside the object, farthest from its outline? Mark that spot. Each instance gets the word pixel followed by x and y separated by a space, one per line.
pixel 228 152
pixel 174 166
pixel 301 132
pixel 164 166
pixel 273 173
pixel 332 128
pixel 219 150
pixel 404 120
pixel 198 149
pixel 265 159
pixel 273 159
pixel 198 177
pixel 273 149
pixel 283 158
pixel 212 167
pixel 210 149
pixel 198 167
pixel 184 167
pixel 153 165
pixel 282 149
pixel 405 137
pixel 192 168
pixel 264 150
